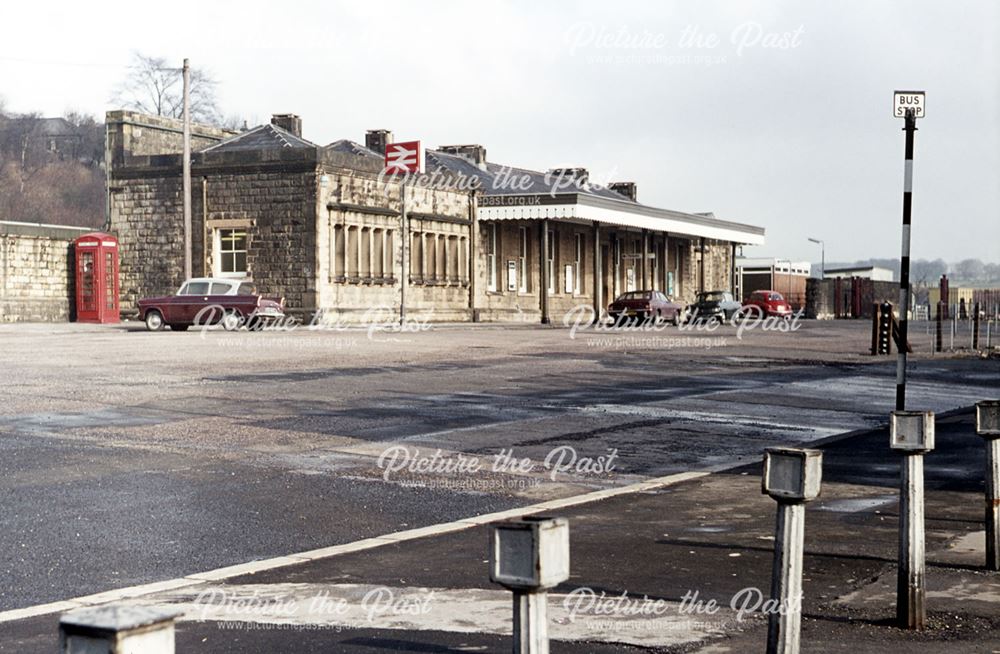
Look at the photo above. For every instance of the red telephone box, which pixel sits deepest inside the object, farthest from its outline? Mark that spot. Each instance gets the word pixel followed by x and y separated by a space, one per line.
pixel 96 278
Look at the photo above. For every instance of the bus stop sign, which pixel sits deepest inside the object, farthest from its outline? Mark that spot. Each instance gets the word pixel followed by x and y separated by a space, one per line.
pixel 903 100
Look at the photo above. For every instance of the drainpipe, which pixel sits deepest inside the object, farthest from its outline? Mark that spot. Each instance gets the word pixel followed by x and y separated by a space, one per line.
pixel 404 245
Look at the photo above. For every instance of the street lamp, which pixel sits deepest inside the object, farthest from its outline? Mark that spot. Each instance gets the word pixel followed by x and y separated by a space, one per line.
pixel 822 262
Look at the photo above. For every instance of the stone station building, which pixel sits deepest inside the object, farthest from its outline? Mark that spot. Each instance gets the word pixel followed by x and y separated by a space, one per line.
pixel 464 240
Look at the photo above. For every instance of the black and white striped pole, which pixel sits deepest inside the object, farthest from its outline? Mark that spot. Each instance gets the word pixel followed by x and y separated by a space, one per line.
pixel 908 105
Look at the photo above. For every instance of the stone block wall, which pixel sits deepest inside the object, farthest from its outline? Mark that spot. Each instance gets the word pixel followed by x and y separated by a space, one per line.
pixel 36 273
pixel 274 202
pixel 356 199
pixel 278 208
pixel 147 217
pixel 502 304
pixel 134 134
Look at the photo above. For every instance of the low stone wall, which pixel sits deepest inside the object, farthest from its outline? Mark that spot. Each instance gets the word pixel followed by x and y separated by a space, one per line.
pixel 36 266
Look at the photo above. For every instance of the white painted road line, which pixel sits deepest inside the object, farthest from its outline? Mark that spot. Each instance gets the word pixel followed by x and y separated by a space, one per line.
pixel 228 572
pixel 455 610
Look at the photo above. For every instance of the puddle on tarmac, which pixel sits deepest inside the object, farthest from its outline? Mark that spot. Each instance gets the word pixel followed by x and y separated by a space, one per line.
pixel 857 504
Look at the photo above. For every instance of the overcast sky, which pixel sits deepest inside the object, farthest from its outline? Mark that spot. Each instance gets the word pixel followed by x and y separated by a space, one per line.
pixel 785 122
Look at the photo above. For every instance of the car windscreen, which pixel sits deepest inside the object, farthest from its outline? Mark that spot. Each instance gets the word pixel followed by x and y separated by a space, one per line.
pixel 776 297
pixel 195 288
pixel 633 295
pixel 712 297
pixel 246 288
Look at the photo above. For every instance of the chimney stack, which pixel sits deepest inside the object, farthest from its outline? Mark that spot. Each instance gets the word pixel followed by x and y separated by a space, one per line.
pixel 288 122
pixel 624 188
pixel 474 153
pixel 579 176
pixel 378 140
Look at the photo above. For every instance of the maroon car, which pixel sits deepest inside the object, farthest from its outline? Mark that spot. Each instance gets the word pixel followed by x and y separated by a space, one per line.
pixel 205 300
pixel 643 305
pixel 770 303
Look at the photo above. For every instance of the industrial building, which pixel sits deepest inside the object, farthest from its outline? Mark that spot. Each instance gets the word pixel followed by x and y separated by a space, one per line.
pixel 782 275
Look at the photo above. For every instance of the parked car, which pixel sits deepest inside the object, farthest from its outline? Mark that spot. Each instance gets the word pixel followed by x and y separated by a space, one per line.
pixel 714 305
pixel 645 305
pixel 205 300
pixel 770 303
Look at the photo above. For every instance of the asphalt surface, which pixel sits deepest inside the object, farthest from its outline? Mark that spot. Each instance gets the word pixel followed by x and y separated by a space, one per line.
pixel 712 536
pixel 131 457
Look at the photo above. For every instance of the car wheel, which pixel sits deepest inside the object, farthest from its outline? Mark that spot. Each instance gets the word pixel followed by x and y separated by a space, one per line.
pixel 255 325
pixel 677 319
pixel 154 321
pixel 179 328
pixel 232 321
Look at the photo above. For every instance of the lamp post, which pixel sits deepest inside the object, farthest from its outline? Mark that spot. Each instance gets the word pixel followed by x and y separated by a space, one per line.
pixel 822 254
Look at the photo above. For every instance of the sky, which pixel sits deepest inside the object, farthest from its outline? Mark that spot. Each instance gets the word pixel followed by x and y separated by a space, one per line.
pixel 776 114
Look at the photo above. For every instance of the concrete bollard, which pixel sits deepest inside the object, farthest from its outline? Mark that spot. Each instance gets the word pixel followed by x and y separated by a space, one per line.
pixel 912 433
pixel 791 477
pixel 988 426
pixel 117 630
pixel 529 556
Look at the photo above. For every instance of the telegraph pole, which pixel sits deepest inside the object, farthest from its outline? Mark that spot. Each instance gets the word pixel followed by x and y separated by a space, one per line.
pixel 187 171
pixel 909 105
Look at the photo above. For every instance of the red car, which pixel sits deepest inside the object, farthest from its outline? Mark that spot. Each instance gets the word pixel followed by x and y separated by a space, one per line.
pixel 644 305
pixel 770 303
pixel 229 302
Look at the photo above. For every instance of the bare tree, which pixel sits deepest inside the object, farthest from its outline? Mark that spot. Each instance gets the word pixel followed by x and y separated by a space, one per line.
pixel 235 123
pixel 970 270
pixel 153 87
pixel 90 149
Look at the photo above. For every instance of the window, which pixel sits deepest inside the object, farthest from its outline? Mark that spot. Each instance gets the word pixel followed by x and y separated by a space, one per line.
pixel 378 254
pixel 578 265
pixel 231 247
pixel 463 259
pixel 219 289
pixel 453 264
pixel 109 280
pixel 352 251
pixel 522 261
pixel 338 252
pixel 366 252
pixel 417 256
pixel 246 288
pixel 195 288
pixel 442 260
pixel 491 257
pixel 388 255
pixel 430 254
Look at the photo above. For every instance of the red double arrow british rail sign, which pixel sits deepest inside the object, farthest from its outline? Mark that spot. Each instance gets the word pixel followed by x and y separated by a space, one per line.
pixel 402 157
